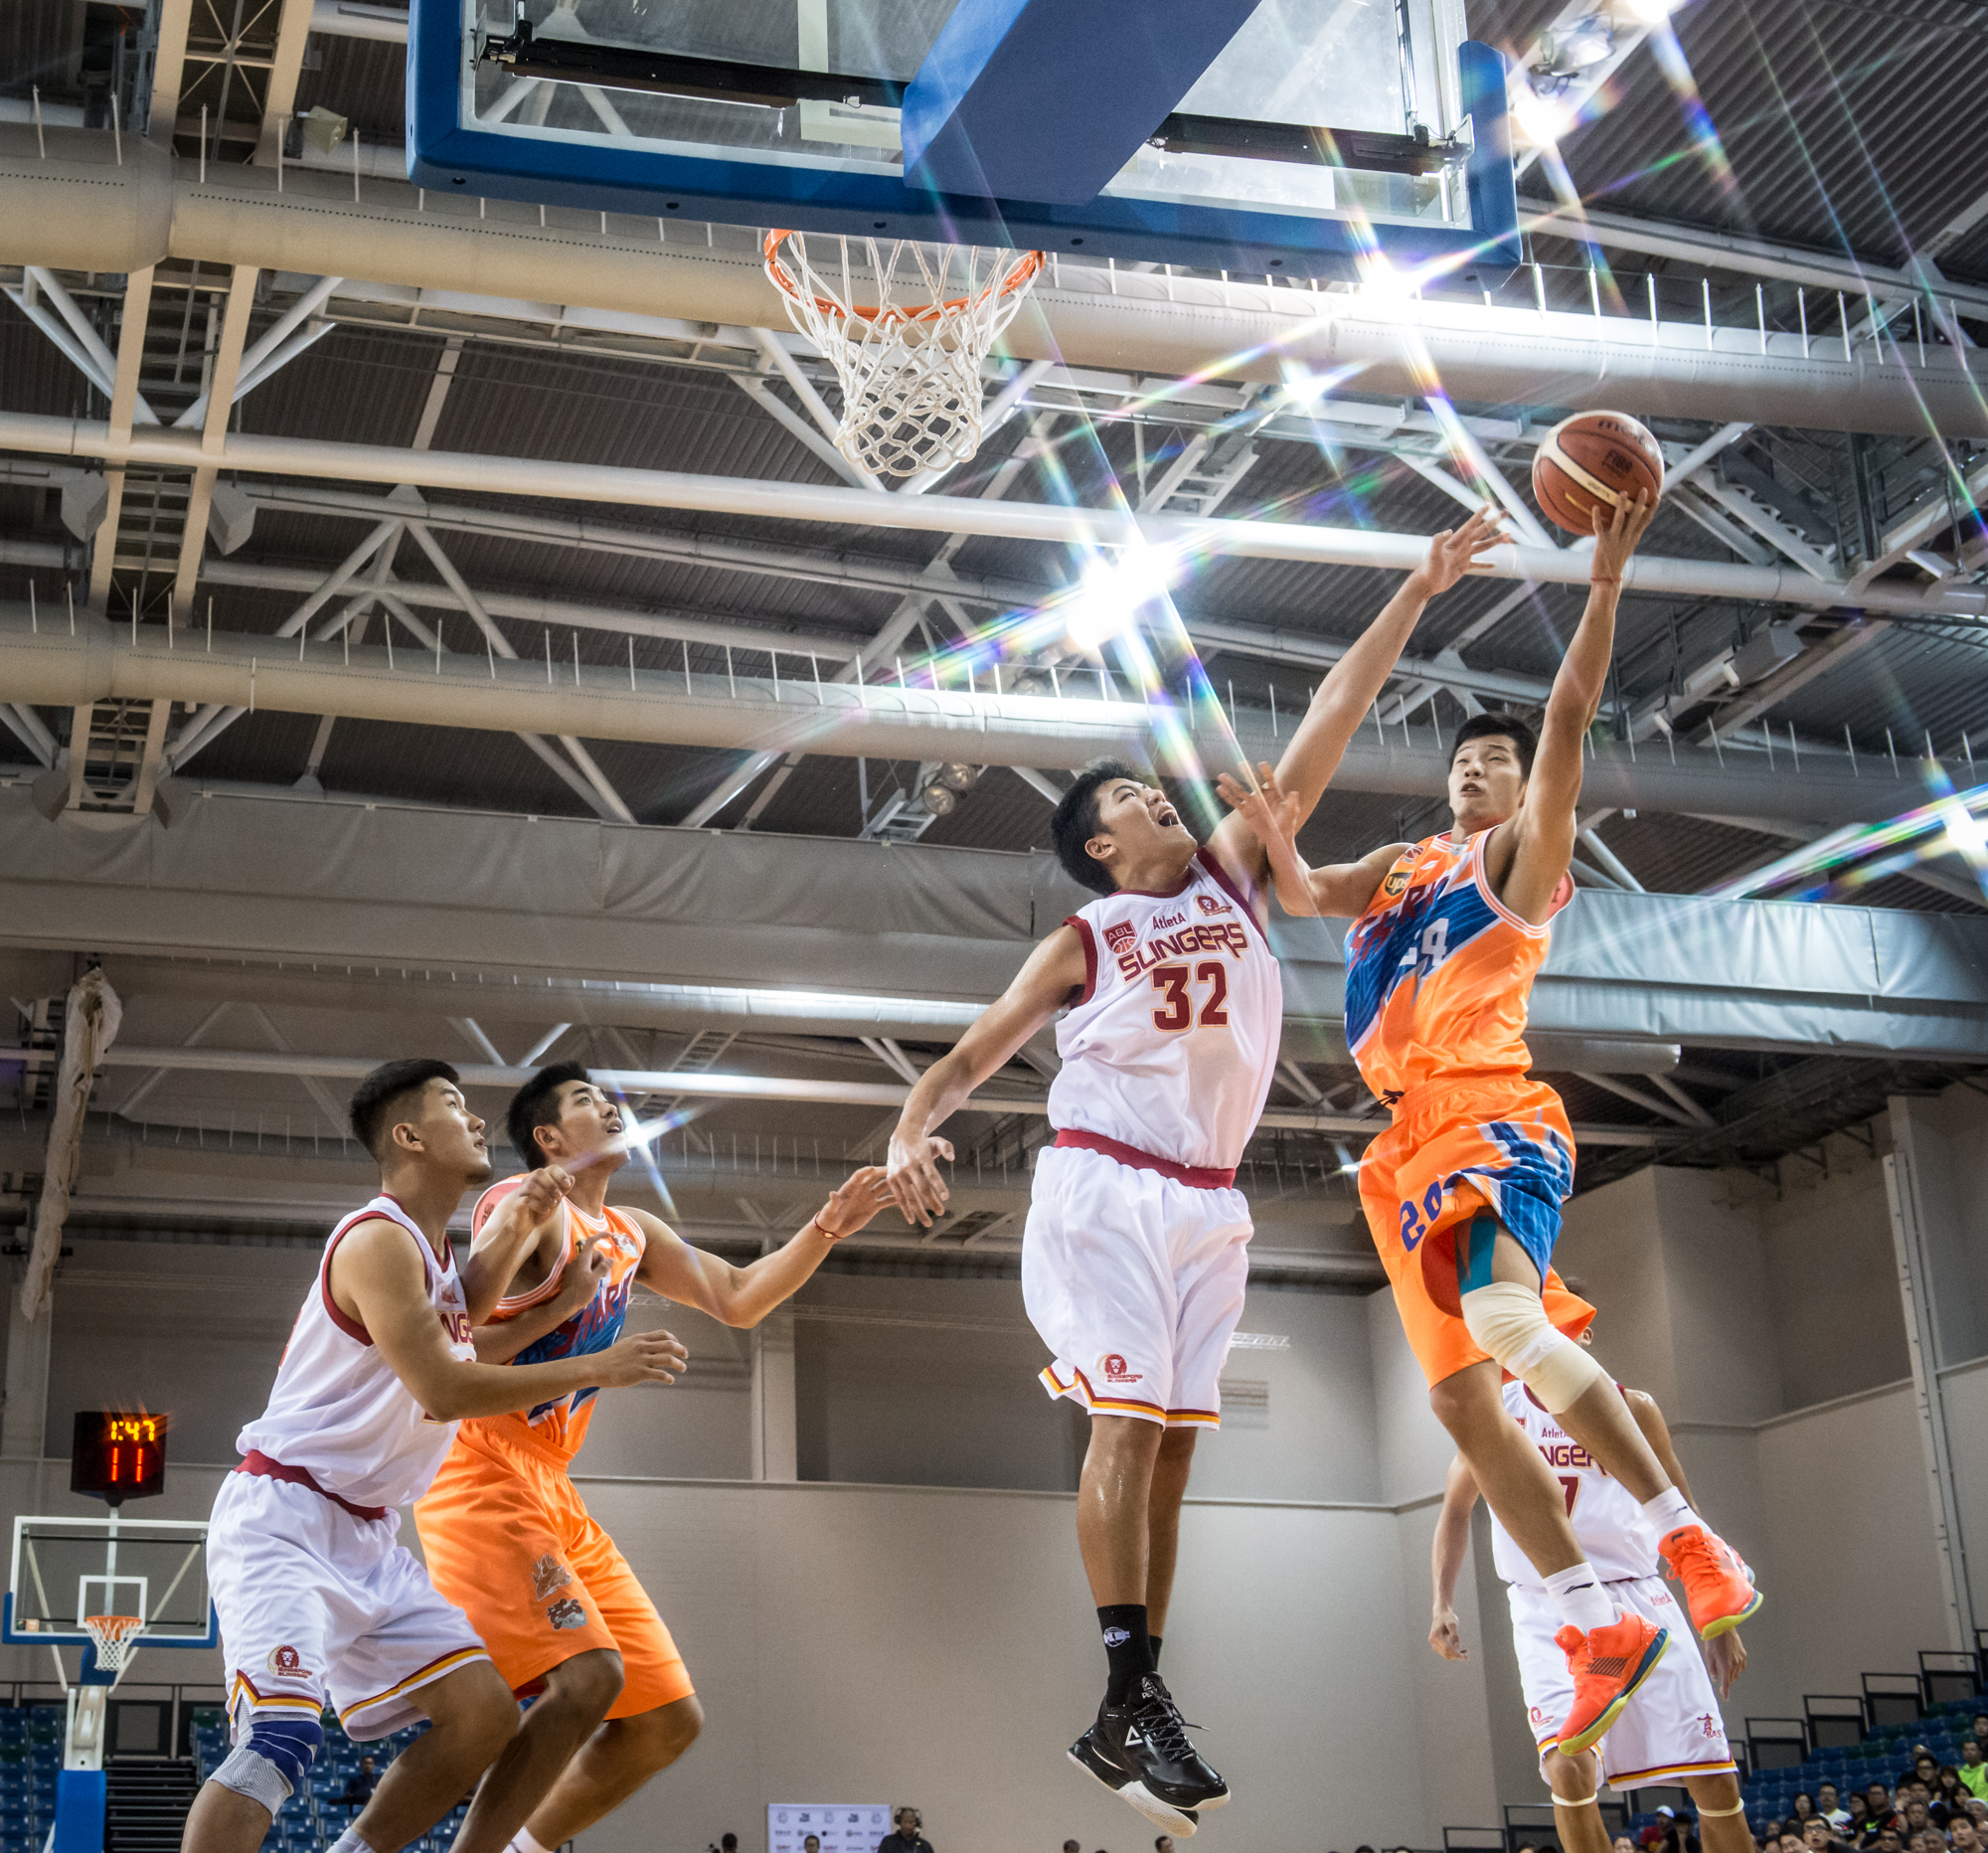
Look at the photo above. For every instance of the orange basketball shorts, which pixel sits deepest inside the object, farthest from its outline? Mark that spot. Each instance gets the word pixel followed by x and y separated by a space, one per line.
pixel 508 1539
pixel 1458 1152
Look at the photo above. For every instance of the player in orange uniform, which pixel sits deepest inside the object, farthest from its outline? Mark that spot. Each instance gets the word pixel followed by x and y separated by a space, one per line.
pixel 1463 1191
pixel 507 1538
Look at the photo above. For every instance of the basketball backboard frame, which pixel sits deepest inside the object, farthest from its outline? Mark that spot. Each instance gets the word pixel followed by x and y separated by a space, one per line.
pixel 36 1610
pixel 453 151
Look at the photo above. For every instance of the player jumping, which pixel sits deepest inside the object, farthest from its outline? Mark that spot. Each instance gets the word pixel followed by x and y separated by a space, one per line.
pixel 506 1535
pixel 1133 1258
pixel 316 1597
pixel 1674 1731
pixel 1463 1191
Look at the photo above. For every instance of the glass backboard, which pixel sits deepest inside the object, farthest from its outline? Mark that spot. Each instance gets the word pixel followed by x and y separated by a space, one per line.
pixel 65 1569
pixel 1322 128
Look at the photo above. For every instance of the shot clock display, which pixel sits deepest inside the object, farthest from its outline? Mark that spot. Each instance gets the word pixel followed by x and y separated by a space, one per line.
pixel 116 1456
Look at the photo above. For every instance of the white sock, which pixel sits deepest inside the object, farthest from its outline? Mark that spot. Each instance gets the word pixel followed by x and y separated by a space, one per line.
pixel 349 1842
pixel 522 1842
pixel 1668 1510
pixel 1581 1601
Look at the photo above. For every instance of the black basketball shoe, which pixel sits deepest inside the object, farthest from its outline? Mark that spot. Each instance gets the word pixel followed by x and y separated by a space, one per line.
pixel 1140 1752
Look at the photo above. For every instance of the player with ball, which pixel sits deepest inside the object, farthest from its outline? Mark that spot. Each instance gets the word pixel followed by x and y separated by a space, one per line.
pixel 1463 1191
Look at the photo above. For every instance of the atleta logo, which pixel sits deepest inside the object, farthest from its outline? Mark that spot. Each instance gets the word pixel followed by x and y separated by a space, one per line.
pixel 566 1612
pixel 548 1574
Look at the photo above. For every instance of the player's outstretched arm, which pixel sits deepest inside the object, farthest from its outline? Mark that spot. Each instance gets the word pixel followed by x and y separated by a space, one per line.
pixel 376 1279
pixel 1447 1559
pixel 745 1295
pixel 1054 969
pixel 1528 855
pixel 1353 684
pixel 501 1340
pixel 516 1227
pixel 1338 889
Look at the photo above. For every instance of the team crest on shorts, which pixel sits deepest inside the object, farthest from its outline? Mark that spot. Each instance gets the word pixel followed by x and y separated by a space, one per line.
pixel 548 1576
pixel 1119 937
pixel 1115 1370
pixel 566 1612
pixel 1396 883
pixel 288 1663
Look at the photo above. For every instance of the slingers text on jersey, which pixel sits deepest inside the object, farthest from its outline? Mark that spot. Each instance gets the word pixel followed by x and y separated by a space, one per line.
pixel 1172 1046
pixel 338 1409
pixel 1438 971
pixel 1608 1522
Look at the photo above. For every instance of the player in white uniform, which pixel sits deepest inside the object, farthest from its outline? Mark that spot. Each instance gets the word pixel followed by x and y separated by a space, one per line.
pixel 1133 1258
pixel 316 1597
pixel 1674 1731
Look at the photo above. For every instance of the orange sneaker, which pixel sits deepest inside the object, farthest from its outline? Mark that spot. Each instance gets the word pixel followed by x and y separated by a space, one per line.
pixel 1607 1664
pixel 1717 1588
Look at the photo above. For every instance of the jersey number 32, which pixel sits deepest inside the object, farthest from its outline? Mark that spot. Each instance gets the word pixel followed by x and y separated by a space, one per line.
pixel 1178 1012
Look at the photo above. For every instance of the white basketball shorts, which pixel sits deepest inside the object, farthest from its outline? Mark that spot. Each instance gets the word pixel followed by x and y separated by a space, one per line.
pixel 1672 1728
pixel 1135 1282
pixel 315 1604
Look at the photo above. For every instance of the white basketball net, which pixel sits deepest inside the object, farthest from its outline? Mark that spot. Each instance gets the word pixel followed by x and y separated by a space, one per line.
pixel 115 1638
pixel 906 328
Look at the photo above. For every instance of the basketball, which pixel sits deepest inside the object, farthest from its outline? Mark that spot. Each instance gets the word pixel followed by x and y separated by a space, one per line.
pixel 1594 457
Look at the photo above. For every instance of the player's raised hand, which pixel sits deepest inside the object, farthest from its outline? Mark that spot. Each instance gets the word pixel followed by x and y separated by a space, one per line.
pixel 1454 552
pixel 912 1174
pixel 1617 532
pixel 854 1202
pixel 647 1358
pixel 582 1278
pixel 543 1191
pixel 1271 814
pixel 1445 1637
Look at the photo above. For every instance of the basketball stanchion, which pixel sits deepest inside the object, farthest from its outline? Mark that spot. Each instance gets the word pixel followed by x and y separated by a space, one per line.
pixel 906 336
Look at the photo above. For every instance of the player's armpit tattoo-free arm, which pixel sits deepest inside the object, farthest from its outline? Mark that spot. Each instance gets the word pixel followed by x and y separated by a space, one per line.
pixel 376 1278
pixel 1054 971
pixel 1339 890
pixel 743 1296
pixel 1650 1418
pixel 1353 684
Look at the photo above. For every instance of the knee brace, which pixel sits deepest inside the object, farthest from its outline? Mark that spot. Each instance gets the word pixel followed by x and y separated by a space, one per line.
pixel 1510 1322
pixel 270 1764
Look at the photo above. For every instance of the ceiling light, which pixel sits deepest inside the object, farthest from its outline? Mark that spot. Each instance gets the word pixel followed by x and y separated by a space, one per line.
pixel 940 799
pixel 1542 120
pixel 1110 597
pixel 1652 12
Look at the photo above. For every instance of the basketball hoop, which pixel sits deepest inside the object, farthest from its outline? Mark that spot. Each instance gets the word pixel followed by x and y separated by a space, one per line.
pixel 115 1638
pixel 907 348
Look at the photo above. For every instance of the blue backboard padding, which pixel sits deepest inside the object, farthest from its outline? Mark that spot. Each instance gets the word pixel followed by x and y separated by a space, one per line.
pixel 75 1637
pixel 1046 100
pixel 447 156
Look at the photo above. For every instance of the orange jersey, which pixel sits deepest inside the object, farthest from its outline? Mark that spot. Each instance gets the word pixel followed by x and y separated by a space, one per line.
pixel 560 1425
pixel 1438 971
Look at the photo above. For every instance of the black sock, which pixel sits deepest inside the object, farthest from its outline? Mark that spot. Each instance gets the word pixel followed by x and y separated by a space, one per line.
pixel 1127 1646
pixel 1154 1639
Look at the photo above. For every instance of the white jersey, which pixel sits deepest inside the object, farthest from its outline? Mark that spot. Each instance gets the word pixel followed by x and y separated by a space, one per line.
pixel 1171 1049
pixel 1608 1522
pixel 338 1412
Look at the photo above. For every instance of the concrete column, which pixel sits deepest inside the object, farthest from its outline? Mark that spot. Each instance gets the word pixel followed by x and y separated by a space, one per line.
pixel 775 1447
pixel 1924 1177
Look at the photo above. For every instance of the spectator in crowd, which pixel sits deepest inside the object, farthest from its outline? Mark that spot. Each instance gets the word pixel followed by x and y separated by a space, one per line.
pixel 1164 1845
pixel 1803 1810
pixel 1878 1798
pixel 1856 1818
pixel 908 1838
pixel 361 1783
pixel 1623 1844
pixel 1973 1772
pixel 728 1843
pixel 1829 1808
pixel 1948 1794
pixel 811 1843
pixel 1791 1842
pixel 1889 1840
pixel 1072 1846
pixel 1918 1817
pixel 1963 1836
pixel 1819 1837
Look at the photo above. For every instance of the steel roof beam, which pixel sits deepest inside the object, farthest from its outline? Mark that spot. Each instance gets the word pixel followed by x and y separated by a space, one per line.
pixel 1084 527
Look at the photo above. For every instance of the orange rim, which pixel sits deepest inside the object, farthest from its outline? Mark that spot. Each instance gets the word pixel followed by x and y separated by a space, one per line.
pixel 1019 278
